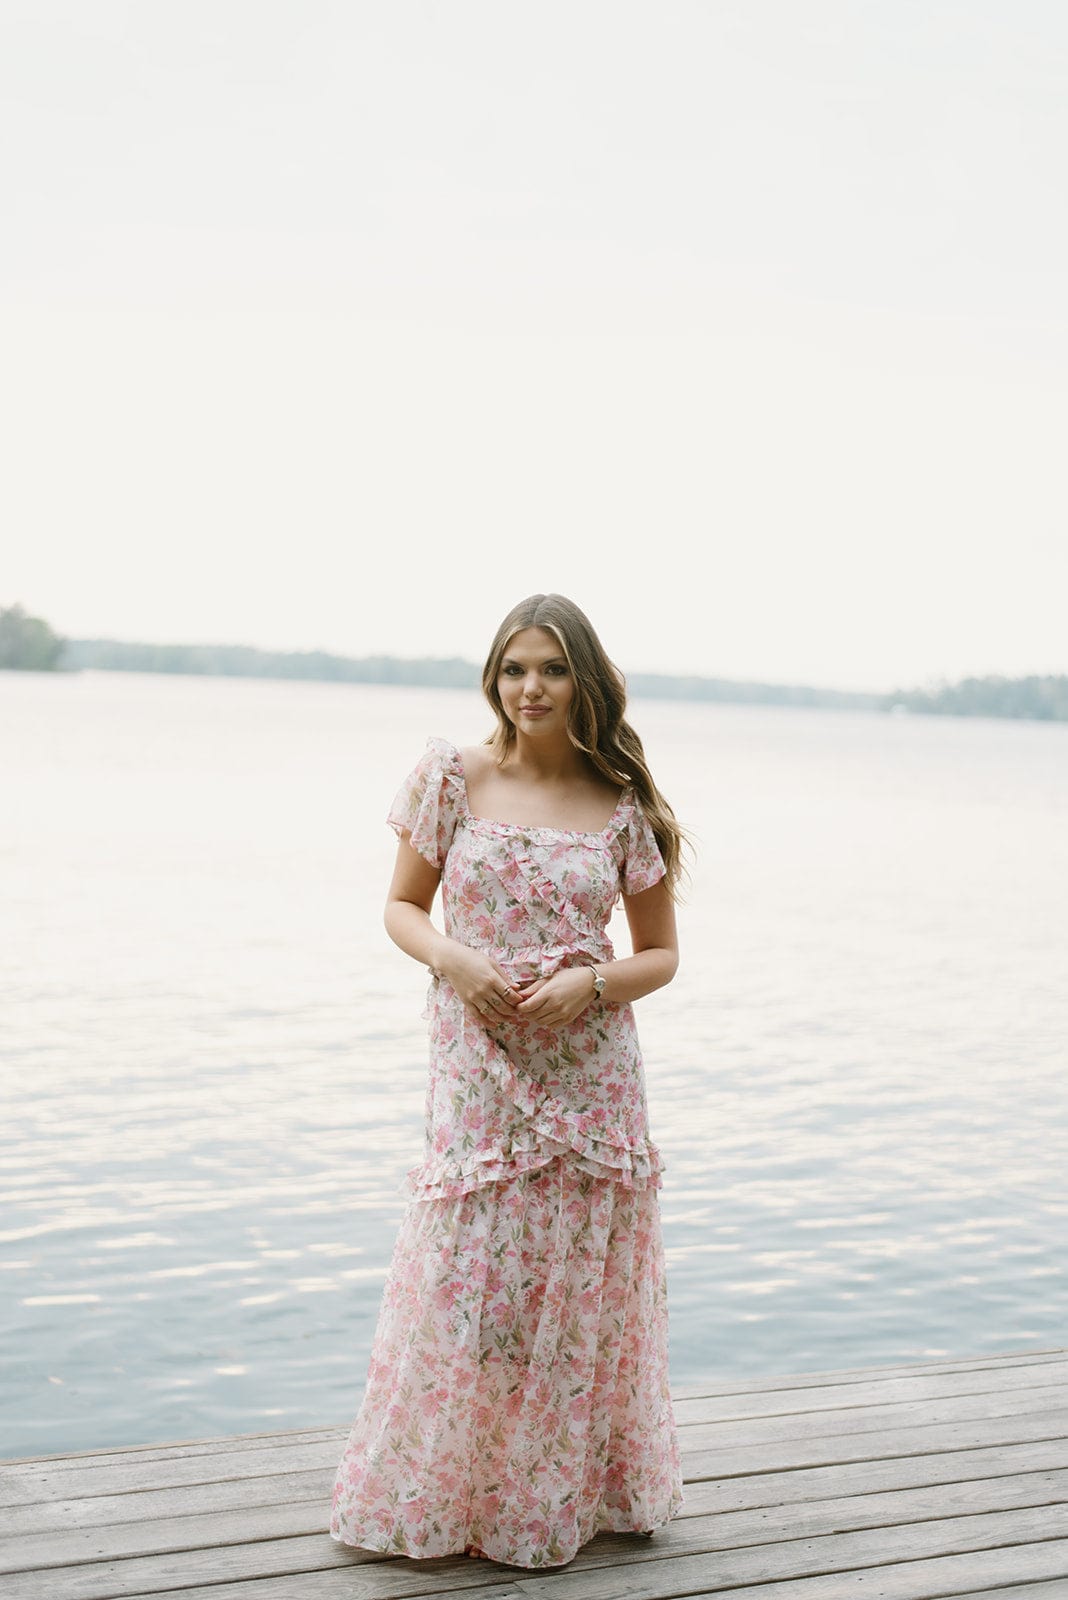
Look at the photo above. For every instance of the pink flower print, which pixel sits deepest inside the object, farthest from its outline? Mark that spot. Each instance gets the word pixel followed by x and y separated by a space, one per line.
pixel 589 1302
pixel 432 1403
pixel 446 1295
pixel 448 1032
pixel 580 1408
pixel 473 1118
pixel 487 1510
pixel 475 1275
pixel 514 919
pixel 497 1314
pixel 543 1394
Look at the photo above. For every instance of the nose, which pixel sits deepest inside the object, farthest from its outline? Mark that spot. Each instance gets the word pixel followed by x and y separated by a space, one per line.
pixel 532 685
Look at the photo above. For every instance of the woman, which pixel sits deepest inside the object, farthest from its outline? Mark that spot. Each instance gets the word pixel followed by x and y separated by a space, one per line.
pixel 517 1397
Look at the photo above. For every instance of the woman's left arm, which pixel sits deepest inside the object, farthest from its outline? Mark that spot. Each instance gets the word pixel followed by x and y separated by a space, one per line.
pixel 654 940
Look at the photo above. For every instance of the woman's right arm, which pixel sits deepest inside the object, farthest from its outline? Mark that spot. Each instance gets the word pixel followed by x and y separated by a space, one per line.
pixel 476 979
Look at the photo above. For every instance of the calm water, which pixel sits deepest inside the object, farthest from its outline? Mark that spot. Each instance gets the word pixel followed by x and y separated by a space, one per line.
pixel 214 1059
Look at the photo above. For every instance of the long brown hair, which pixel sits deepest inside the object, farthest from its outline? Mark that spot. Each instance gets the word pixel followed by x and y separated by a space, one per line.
pixel 595 721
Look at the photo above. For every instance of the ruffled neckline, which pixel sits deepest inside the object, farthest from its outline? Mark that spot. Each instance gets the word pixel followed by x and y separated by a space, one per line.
pixel 453 766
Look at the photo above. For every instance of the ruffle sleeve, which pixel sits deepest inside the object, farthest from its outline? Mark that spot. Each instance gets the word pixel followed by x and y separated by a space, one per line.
pixel 642 865
pixel 430 800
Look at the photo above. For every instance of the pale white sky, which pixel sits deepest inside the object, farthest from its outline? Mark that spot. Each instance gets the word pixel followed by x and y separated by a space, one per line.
pixel 346 325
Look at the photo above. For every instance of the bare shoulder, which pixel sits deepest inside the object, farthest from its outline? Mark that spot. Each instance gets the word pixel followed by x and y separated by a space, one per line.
pixel 477 760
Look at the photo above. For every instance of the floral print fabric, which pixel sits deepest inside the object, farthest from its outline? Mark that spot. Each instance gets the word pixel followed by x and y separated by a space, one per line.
pixel 517 1397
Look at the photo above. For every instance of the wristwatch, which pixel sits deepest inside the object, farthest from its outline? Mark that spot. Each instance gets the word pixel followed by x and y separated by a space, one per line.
pixel 598 982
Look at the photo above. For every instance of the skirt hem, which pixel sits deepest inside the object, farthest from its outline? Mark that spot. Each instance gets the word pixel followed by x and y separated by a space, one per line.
pixel 616 1524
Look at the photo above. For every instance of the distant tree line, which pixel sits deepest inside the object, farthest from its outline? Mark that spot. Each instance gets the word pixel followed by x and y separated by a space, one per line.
pixel 736 691
pixel 243 661
pixel 1038 699
pixel 28 642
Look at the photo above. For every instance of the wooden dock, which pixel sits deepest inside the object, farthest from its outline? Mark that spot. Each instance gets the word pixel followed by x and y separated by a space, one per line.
pixel 938 1479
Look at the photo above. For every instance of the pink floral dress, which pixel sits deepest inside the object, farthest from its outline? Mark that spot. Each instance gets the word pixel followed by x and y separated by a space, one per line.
pixel 517 1396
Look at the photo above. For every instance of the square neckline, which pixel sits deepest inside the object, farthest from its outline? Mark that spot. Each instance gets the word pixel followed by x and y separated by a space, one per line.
pixel 523 827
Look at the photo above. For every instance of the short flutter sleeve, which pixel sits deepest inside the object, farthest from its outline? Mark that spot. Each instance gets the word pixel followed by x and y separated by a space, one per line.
pixel 643 865
pixel 429 801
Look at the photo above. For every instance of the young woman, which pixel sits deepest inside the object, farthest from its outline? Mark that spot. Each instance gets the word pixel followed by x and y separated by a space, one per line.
pixel 517 1398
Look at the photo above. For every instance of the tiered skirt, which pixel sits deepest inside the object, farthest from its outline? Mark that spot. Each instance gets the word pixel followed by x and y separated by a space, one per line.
pixel 517 1397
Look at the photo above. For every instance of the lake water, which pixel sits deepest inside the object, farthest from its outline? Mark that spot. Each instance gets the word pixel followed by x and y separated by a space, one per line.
pixel 213 1058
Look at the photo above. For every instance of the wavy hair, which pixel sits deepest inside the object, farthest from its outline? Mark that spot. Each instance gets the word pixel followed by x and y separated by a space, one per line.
pixel 596 723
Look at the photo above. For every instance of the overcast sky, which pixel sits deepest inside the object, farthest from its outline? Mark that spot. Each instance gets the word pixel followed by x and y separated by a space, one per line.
pixel 346 325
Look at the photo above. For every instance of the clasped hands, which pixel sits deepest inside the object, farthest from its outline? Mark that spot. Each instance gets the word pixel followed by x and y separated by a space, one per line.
pixel 484 989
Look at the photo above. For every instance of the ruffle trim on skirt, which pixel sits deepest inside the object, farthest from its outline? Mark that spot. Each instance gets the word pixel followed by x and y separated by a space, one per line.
pixel 448 1180
pixel 550 1131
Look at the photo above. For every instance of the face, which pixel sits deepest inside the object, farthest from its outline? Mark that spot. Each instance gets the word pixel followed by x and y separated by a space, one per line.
pixel 534 682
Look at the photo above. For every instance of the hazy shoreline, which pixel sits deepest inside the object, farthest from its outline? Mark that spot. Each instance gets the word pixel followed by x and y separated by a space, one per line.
pixel 28 643
pixel 1032 698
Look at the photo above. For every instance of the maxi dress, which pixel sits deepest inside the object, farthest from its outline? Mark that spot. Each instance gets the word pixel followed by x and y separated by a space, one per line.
pixel 517 1394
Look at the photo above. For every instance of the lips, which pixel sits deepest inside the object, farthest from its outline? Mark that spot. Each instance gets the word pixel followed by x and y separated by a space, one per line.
pixel 535 711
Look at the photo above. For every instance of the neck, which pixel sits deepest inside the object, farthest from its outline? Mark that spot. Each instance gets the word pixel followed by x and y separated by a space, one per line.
pixel 547 759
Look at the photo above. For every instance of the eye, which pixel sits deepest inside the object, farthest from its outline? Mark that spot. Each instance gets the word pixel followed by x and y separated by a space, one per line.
pixel 512 671
pixel 556 670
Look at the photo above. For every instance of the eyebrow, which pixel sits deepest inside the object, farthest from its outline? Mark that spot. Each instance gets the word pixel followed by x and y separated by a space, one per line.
pixel 546 661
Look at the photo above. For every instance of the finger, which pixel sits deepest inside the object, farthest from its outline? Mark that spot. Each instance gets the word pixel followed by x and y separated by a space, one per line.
pixel 501 976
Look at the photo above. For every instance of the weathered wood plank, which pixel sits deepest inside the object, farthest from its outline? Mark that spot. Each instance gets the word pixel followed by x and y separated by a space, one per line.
pixel 945 1479
pixel 744 1386
pixel 846 1375
pixel 896 1563
pixel 712 1529
pixel 1053 1589
pixel 722 1459
pixel 884 1391
pixel 877 1419
pixel 920 1580
pixel 992 1373
pixel 176 1449
pixel 54 1475
pixel 609 1567
pixel 703 1496
pixel 777 1455
pixel 940 1578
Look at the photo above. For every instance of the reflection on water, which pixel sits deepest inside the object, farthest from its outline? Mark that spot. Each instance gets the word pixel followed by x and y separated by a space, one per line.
pixel 214 1059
